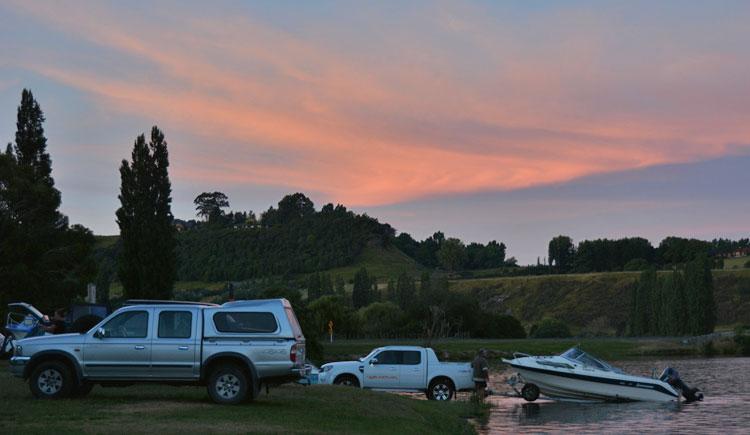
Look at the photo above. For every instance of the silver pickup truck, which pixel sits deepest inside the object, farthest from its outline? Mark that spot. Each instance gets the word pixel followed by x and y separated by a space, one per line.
pixel 231 348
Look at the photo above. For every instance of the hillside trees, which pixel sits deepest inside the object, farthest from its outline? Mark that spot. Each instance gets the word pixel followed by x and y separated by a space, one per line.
pixel 458 256
pixel 293 242
pixel 406 292
pixel 209 205
pixel 43 260
pixel 677 250
pixel 452 254
pixel 361 289
pixel 561 253
pixel 485 257
pixel 147 266
pixel 679 302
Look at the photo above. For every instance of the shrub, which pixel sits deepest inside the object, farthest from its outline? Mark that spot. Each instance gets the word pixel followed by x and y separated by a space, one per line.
pixel 381 319
pixel 551 328
pixel 742 339
pixel 499 326
pixel 747 264
pixel 636 264
pixel 599 327
pixel 708 349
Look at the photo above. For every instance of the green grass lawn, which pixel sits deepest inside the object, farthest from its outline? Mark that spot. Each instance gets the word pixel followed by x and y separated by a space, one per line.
pixel 735 263
pixel 288 409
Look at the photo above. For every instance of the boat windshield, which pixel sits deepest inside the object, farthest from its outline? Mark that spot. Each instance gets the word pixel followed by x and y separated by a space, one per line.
pixel 577 355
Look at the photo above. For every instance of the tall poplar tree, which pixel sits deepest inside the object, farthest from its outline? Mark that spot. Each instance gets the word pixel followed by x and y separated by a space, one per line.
pixel 42 259
pixel 147 266
pixel 361 290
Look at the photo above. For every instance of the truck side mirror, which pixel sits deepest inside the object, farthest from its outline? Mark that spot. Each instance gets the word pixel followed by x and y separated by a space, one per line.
pixel 100 333
pixel 373 361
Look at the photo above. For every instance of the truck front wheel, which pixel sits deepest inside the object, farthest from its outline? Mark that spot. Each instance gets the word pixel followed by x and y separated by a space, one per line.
pixel 51 380
pixel 346 380
pixel 441 389
pixel 228 385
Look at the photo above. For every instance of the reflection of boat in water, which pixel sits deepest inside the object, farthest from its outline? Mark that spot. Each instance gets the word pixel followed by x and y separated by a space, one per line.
pixel 576 375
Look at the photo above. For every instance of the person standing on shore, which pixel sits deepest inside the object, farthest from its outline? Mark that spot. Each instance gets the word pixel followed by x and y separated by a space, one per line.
pixel 481 370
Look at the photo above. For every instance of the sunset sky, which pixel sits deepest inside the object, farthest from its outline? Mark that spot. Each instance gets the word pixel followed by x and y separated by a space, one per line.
pixel 513 121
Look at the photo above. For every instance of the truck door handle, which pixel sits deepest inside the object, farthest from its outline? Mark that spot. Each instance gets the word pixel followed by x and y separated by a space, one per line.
pixel 139 347
pixel 183 348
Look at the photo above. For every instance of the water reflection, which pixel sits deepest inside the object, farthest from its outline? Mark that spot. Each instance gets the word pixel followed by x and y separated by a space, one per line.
pixel 724 410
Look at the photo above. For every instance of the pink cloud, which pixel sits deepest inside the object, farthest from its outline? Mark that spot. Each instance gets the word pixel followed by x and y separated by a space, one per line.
pixel 407 119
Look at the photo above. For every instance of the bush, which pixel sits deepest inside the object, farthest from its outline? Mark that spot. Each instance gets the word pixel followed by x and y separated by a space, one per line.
pixel 599 327
pixel 335 309
pixel 499 326
pixel 550 328
pixel 636 264
pixel 742 339
pixel 381 319
pixel 747 264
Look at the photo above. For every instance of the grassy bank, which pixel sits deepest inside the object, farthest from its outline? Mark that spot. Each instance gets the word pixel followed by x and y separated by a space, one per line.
pixel 288 409
pixel 594 303
pixel 466 349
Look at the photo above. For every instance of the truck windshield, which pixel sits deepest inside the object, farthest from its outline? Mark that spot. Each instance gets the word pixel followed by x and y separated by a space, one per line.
pixel 370 354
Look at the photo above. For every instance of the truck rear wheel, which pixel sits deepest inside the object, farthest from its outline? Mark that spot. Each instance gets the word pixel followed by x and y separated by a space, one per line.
pixel 51 380
pixel 441 389
pixel 228 385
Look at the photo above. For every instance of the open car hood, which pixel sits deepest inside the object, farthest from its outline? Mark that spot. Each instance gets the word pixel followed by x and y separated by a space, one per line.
pixel 27 308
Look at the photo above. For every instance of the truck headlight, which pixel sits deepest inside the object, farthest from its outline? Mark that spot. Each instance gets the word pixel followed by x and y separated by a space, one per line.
pixel 18 350
pixel 327 369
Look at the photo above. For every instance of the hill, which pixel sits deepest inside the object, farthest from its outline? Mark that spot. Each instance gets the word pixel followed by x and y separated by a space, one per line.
pixel 382 262
pixel 594 302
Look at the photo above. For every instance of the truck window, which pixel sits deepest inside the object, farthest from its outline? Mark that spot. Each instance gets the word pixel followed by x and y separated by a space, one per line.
pixel 245 322
pixel 296 330
pixel 130 324
pixel 175 324
pixel 389 357
pixel 412 357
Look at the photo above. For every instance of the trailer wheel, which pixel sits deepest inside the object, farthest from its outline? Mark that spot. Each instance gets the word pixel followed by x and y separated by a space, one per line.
pixel 530 392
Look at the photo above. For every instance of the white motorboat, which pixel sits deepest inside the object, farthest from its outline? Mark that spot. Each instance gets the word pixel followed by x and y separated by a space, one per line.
pixel 576 375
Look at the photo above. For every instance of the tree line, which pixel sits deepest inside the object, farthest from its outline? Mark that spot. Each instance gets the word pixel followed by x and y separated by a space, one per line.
pixel 632 253
pixel 679 302
pixel 408 308
pixel 452 254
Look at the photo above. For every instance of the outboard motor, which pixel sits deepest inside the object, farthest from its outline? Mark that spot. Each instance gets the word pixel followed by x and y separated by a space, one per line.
pixel 672 377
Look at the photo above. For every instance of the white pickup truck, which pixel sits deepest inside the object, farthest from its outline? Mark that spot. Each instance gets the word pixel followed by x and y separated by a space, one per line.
pixel 401 368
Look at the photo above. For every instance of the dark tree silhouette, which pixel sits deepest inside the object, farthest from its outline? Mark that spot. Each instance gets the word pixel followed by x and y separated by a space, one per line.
pixel 42 259
pixel 561 253
pixel 147 266
pixel 208 205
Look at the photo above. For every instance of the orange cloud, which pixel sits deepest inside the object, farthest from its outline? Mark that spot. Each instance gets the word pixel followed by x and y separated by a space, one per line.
pixel 449 104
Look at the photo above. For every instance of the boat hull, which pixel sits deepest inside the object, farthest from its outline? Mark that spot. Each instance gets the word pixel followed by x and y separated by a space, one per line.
pixel 567 384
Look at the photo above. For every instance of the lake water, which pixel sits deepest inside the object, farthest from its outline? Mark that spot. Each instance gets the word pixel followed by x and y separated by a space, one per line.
pixel 725 408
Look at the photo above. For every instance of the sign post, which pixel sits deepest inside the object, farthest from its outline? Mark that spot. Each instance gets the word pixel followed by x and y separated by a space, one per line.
pixel 91 293
pixel 330 329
